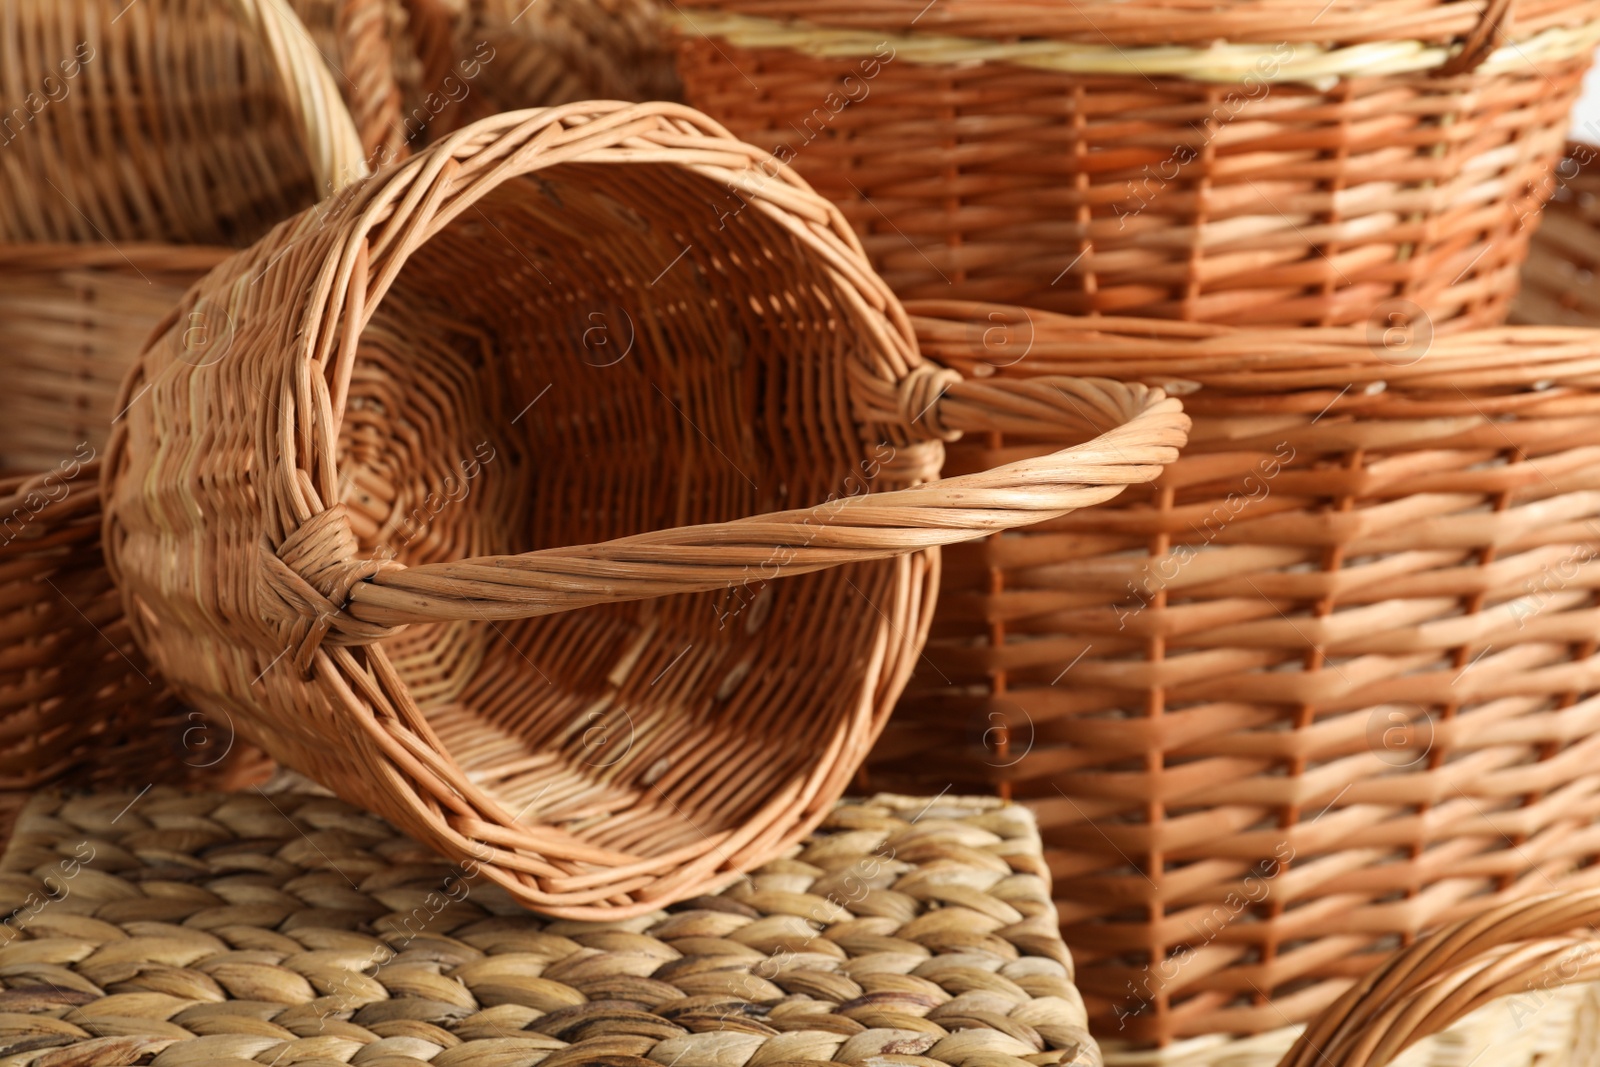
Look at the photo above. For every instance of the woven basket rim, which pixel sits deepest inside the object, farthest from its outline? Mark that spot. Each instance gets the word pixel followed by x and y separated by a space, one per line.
pixel 1264 362
pixel 1196 24
pixel 1226 59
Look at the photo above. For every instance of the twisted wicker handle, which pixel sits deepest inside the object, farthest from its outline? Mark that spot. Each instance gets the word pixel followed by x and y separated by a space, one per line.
pixel 1139 429
pixel 332 144
pixel 1527 947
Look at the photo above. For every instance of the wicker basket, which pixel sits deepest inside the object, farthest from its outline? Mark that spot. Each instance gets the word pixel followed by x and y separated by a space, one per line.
pixel 288 525
pixel 484 56
pixel 141 133
pixel 78 702
pixel 1163 158
pixel 367 45
pixel 1331 681
pixel 1559 286
pixel 1511 962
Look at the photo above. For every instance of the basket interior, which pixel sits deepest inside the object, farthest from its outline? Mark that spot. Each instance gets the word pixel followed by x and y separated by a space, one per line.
pixel 594 351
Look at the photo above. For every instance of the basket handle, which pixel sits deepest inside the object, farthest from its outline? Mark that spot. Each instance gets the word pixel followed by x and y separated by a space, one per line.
pixel 327 129
pixel 1527 947
pixel 335 596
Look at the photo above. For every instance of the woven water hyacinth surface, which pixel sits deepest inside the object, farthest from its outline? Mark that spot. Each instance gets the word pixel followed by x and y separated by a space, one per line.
pixel 178 929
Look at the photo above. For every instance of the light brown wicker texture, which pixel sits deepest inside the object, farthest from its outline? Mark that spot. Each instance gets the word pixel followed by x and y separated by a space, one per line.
pixel 1329 682
pixel 536 370
pixel 72 318
pixel 1518 954
pixel 192 121
pixel 1269 162
pixel 292 929
pixel 368 47
pixel 1559 283
pixel 174 121
pixel 484 56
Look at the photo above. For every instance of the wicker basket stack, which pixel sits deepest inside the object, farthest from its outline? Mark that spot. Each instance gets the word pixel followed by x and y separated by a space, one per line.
pixel 104 222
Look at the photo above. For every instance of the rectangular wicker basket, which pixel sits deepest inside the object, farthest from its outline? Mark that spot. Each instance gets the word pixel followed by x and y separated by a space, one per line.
pixel 1329 682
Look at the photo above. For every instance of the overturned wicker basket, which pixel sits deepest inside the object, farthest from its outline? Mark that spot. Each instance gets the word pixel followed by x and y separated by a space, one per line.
pixel 1246 161
pixel 477 522
pixel 78 701
pixel 1329 682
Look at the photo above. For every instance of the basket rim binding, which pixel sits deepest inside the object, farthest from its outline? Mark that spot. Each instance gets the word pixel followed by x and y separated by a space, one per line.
pixel 1489 46
pixel 330 604
pixel 1180 24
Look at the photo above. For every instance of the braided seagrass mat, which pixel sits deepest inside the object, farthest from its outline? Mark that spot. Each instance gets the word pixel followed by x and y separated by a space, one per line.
pixel 181 930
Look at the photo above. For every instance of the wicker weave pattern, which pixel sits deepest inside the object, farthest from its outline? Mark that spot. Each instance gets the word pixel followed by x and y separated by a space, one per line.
pixel 232 124
pixel 293 929
pixel 366 45
pixel 175 121
pixel 485 56
pixel 381 479
pixel 1524 951
pixel 1328 683
pixel 1175 182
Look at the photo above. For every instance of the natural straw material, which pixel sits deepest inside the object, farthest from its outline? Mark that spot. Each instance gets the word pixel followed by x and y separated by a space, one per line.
pixel 194 121
pixel 476 523
pixel 1561 281
pixel 484 56
pixel 292 929
pixel 367 45
pixel 1269 162
pixel 1327 683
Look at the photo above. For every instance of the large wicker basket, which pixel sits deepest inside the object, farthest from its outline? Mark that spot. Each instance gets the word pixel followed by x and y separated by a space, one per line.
pixel 1561 280
pixel 513 379
pixel 1329 682
pixel 1274 162
pixel 192 121
pixel 78 702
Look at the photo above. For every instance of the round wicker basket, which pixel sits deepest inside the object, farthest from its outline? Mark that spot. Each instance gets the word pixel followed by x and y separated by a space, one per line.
pixel 1330 681
pixel 1515 958
pixel 1267 162
pixel 478 522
